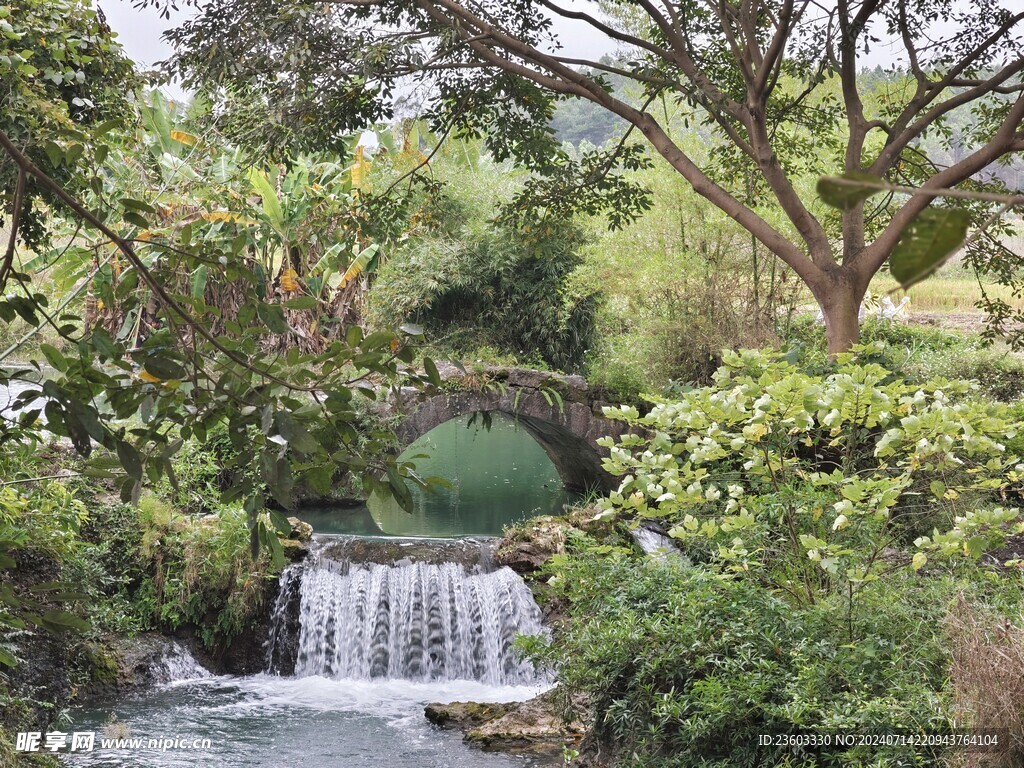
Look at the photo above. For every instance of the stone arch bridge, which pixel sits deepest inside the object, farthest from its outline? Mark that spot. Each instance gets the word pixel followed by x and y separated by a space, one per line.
pixel 560 412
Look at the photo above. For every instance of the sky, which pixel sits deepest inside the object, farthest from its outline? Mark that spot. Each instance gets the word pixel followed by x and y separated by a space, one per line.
pixel 139 30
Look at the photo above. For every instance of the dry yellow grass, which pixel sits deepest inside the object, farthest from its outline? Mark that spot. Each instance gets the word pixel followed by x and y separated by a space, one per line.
pixel 954 291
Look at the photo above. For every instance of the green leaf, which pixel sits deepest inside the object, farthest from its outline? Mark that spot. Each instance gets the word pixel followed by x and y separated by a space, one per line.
pixel 927 242
pixel 400 490
pixel 296 435
pixel 199 281
pixel 54 357
pixel 431 370
pixel 301 302
pixel 62 621
pixel 130 459
pixel 54 152
pixel 270 541
pixel 280 521
pixel 130 204
pixel 849 190
pixel 271 205
pixel 106 126
pixel 164 368
pixel 84 419
pixel 137 219
pixel 377 340
pixel 975 546
pixel 272 316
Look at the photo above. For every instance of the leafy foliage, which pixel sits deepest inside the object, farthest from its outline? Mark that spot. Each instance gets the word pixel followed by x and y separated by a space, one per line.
pixel 918 354
pixel 200 572
pixel 62 74
pixel 226 301
pixel 806 481
pixel 474 283
pixel 681 668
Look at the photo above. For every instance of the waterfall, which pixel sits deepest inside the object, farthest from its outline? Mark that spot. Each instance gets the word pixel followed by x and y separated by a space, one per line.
pixel 175 664
pixel 656 544
pixel 280 643
pixel 411 620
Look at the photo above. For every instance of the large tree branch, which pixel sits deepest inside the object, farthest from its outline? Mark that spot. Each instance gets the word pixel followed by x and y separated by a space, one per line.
pixel 740 30
pixel 562 79
pixel 871 259
pixel 677 56
pixel 900 138
pixel 774 54
pixel 908 126
pixel 853 224
pixel 610 31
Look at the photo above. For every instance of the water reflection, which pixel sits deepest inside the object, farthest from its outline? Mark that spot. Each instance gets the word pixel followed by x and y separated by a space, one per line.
pixel 496 477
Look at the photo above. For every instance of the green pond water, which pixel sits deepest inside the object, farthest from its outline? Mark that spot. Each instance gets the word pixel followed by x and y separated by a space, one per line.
pixel 495 476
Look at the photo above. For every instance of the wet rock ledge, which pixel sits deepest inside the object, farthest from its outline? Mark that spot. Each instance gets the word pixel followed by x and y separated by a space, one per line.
pixel 532 727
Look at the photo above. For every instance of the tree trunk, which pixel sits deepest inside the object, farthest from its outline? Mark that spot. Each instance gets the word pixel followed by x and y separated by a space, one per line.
pixel 839 296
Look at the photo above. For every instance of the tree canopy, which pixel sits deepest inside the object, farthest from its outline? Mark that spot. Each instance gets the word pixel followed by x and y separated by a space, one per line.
pixel 190 249
pixel 769 79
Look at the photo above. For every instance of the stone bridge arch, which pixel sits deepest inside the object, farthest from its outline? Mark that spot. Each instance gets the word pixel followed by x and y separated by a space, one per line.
pixel 567 427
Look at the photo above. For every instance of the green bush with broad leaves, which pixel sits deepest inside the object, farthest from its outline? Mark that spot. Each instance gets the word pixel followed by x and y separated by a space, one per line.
pixel 817 484
pixel 674 666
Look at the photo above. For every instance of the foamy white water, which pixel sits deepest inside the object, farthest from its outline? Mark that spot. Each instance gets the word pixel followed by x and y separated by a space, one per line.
pixel 177 664
pixel 415 621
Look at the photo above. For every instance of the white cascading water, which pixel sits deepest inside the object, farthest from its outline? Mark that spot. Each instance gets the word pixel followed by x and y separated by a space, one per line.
pixel 412 621
pixel 177 664
pixel 655 543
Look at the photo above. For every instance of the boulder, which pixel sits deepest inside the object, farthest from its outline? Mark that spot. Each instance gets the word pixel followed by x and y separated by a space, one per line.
pixel 294 550
pixel 532 726
pixel 526 548
pixel 465 714
pixel 301 530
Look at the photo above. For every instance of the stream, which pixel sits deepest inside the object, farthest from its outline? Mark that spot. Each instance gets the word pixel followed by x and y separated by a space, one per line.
pixel 373 626
pixel 272 721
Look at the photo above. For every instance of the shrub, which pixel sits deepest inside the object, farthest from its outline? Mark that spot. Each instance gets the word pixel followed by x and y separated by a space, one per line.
pixel 202 470
pixel 818 483
pixel 918 353
pixel 202 572
pixel 679 667
pixel 491 286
